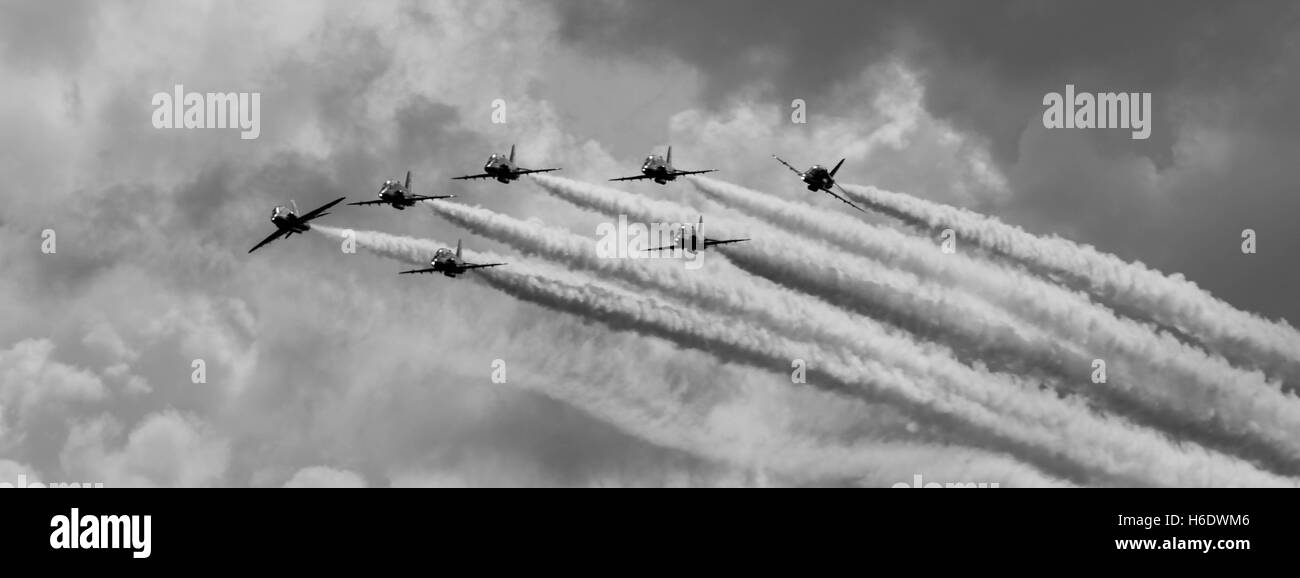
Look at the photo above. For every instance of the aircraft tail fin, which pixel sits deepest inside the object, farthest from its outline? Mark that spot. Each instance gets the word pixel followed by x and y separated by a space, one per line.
pixel 669 158
pixel 458 249
pixel 408 181
pixel 837 167
pixel 294 204
pixel 512 153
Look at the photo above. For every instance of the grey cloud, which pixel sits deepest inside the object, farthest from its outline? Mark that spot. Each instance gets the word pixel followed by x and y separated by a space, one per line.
pixel 35 34
pixel 986 64
pixel 985 67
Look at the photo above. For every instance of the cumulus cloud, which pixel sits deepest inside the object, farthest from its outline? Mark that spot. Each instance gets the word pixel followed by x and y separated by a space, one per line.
pixel 166 449
pixel 30 380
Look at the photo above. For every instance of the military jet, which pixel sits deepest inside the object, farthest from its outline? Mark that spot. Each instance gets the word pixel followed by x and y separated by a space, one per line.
pixel 691 238
pixel 287 222
pixel 819 179
pixel 660 168
pixel 449 264
pixel 399 195
pixel 502 168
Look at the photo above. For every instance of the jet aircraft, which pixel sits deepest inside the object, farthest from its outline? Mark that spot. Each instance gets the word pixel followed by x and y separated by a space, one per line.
pixel 449 264
pixel 691 238
pixel 287 221
pixel 398 195
pixel 502 168
pixel 819 179
pixel 660 168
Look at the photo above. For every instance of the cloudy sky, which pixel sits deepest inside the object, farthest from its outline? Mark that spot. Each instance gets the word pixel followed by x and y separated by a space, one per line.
pixel 328 369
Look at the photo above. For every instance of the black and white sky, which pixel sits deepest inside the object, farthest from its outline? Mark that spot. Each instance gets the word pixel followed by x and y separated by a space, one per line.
pixel 329 369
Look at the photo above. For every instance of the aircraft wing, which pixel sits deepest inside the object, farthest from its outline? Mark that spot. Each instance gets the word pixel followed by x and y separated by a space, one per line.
pixel 664 248
pixel 374 202
pixel 636 178
pixel 273 236
pixel 429 270
pixel 320 211
pixel 531 171
pixel 470 177
pixel 429 198
pixel 712 242
pixel 787 165
pixel 684 173
pixel 846 201
pixel 468 266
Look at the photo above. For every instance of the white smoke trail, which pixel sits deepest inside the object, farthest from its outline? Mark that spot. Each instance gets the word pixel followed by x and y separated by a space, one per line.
pixel 418 251
pixel 850 279
pixel 1022 417
pixel 798 458
pixel 794 455
pixel 1175 378
pixel 1170 299
pixel 1171 406
pixel 782 310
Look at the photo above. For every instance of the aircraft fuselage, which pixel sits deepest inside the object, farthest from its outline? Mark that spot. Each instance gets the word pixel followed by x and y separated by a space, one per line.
pixel 687 239
pixel 395 194
pixel 397 199
pixel 500 168
pixel 658 169
pixel 287 220
pixel 445 262
pixel 818 178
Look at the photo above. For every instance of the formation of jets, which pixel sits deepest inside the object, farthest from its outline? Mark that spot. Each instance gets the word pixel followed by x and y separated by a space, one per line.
pixel 659 168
